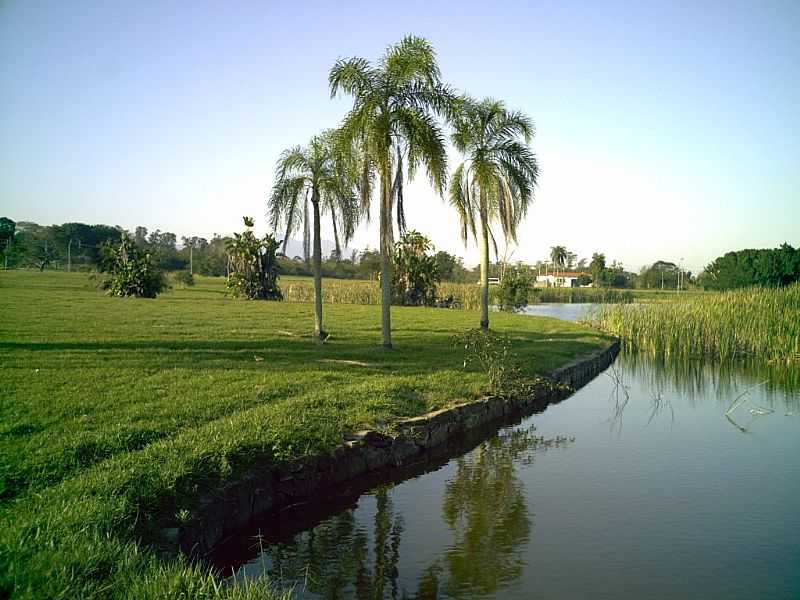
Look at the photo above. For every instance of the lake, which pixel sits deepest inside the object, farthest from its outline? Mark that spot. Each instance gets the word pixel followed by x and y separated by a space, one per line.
pixel 656 480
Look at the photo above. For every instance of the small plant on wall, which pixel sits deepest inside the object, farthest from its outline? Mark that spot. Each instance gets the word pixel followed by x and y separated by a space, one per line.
pixel 253 265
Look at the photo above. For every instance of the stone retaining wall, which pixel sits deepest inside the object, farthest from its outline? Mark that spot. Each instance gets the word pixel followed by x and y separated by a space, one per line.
pixel 267 489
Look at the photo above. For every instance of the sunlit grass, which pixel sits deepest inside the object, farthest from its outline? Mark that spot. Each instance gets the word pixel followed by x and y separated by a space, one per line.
pixel 116 414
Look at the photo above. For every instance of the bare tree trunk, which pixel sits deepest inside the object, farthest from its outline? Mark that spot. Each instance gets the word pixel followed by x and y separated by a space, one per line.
pixel 484 268
pixel 387 236
pixel 319 333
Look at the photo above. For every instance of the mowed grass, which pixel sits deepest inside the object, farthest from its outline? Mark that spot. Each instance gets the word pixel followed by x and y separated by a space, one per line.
pixel 117 414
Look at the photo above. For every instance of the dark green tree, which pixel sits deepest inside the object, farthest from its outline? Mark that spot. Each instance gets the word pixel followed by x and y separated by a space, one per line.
pixel 415 274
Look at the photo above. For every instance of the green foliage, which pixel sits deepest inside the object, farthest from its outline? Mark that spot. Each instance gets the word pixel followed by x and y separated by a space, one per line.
pixel 450 267
pixel 766 267
pixel 756 322
pixel 415 274
pixel 130 271
pixel 514 290
pixel 325 173
pixel 253 265
pixel 491 353
pixel 184 278
pixel 7 229
pixel 660 275
pixel 558 257
pixel 598 268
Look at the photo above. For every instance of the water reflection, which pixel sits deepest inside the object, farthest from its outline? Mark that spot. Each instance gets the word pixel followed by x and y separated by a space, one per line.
pixel 357 553
pixel 339 558
pixel 672 507
pixel 695 380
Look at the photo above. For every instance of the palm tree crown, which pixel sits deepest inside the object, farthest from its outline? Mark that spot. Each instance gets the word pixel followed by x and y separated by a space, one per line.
pixel 321 177
pixel 324 172
pixel 496 180
pixel 393 123
pixel 558 255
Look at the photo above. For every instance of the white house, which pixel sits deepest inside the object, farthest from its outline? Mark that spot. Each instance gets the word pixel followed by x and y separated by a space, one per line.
pixel 565 279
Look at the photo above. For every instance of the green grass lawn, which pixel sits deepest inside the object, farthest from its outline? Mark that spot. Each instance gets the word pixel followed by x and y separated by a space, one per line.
pixel 116 412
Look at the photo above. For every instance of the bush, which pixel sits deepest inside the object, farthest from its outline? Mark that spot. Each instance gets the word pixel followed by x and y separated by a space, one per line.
pixel 254 265
pixel 415 271
pixel 130 271
pixel 514 291
pixel 183 278
pixel 491 353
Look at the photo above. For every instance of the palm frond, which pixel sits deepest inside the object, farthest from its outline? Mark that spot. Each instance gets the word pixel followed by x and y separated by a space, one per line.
pixel 353 76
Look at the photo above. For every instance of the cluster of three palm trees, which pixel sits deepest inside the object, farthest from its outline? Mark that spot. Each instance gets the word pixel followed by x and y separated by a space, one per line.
pixel 391 131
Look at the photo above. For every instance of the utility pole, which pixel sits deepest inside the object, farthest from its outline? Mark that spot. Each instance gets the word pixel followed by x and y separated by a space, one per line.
pixel 191 260
pixel 5 254
pixel 69 256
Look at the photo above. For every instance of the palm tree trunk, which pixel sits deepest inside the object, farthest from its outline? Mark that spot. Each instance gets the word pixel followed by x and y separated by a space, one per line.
pixel 484 269
pixel 336 235
pixel 386 258
pixel 319 333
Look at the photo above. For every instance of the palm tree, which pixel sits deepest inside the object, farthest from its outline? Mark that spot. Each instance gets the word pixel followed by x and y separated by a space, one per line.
pixel 496 181
pixel 321 177
pixel 558 254
pixel 393 124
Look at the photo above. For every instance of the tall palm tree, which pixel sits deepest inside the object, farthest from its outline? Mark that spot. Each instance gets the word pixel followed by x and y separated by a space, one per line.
pixel 320 177
pixel 496 180
pixel 558 254
pixel 393 123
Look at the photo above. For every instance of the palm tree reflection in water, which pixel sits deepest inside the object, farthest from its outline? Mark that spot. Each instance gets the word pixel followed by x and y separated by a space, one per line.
pixel 483 506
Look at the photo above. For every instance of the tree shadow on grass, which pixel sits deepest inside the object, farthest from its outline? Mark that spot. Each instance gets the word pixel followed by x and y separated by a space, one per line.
pixel 301 354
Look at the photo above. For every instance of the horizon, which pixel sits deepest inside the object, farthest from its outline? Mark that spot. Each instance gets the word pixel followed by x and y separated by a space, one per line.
pixel 173 119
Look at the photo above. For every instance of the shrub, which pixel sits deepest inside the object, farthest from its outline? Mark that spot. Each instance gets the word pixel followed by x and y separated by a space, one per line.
pixel 415 271
pixel 514 290
pixel 184 278
pixel 130 271
pixel 254 266
pixel 491 353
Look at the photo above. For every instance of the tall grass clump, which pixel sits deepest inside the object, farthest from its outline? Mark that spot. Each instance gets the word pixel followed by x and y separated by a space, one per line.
pixel 463 295
pixel 762 323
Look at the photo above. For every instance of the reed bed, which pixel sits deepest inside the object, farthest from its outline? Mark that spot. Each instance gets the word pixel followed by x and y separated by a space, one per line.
pixel 761 323
pixel 464 295
pixel 580 295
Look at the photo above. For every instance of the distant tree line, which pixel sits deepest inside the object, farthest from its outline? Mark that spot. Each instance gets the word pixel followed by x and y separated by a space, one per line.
pixel 763 267
pixel 78 246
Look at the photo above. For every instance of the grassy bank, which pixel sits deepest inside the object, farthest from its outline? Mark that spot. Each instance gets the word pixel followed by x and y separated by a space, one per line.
pixel 118 414
pixel 759 323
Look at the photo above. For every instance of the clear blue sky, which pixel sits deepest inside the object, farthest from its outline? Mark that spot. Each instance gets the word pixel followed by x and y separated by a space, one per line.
pixel 665 131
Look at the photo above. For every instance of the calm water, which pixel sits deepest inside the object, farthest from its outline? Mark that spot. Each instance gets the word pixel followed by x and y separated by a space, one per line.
pixel 567 312
pixel 659 495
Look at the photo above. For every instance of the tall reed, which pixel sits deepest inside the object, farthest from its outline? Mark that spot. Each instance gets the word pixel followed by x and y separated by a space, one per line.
pixel 464 295
pixel 762 323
